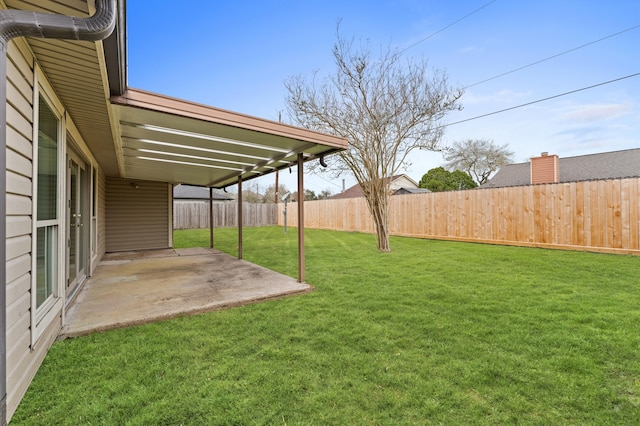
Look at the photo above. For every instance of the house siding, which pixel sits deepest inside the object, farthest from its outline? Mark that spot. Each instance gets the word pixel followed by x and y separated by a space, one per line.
pixel 137 218
pixel 22 359
pixel 401 182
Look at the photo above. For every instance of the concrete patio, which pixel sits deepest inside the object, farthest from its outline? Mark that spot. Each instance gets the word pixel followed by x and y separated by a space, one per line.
pixel 140 287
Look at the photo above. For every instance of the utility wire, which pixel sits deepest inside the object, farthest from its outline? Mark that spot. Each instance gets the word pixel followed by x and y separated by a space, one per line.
pixel 328 181
pixel 551 57
pixel 442 29
pixel 539 100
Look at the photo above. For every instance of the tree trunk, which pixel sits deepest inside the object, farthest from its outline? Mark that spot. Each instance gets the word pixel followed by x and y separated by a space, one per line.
pixel 383 237
pixel 378 203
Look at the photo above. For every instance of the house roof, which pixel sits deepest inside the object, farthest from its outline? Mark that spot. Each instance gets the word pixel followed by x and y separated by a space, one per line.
pixel 403 190
pixel 189 192
pixel 355 191
pixel 141 135
pixel 605 165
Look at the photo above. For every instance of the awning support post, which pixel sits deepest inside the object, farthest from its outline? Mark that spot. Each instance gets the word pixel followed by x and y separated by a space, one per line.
pixel 300 217
pixel 210 217
pixel 239 217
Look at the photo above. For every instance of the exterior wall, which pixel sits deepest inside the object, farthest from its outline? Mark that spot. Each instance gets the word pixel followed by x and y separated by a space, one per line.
pixel 23 358
pixel 544 169
pixel 138 215
pixel 401 182
pixel 27 345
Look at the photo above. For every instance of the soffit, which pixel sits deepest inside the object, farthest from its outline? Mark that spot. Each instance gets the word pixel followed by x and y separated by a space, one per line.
pixel 176 141
pixel 76 71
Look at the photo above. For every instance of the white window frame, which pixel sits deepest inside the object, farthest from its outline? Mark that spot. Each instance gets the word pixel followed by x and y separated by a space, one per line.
pixel 94 215
pixel 43 316
pixel 80 146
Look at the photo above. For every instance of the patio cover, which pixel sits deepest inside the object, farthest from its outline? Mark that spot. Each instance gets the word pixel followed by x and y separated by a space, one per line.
pixel 170 140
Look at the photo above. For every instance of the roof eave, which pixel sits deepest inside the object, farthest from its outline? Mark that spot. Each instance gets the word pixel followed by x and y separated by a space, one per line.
pixel 161 103
pixel 144 117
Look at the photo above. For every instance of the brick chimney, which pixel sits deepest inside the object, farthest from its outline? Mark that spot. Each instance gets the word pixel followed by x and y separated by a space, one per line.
pixel 545 169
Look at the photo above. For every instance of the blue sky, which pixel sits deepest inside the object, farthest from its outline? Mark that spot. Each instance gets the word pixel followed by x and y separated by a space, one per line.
pixel 237 55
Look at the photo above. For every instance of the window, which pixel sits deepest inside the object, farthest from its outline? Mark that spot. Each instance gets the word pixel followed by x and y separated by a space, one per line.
pixel 47 209
pixel 45 263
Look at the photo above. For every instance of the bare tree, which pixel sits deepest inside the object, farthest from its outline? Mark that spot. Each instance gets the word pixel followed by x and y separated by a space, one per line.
pixel 384 107
pixel 270 193
pixel 249 196
pixel 478 157
pixel 324 194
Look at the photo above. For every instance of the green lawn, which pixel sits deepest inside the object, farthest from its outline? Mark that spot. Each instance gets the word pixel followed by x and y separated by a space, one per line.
pixel 433 333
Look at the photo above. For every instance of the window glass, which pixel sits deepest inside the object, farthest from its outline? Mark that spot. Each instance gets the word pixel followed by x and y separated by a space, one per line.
pixel 47 163
pixel 45 263
pixel 47 205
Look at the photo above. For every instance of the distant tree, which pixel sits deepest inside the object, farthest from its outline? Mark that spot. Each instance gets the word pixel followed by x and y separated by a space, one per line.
pixel 462 180
pixel 249 196
pixel 270 195
pixel 309 195
pixel 435 180
pixel 478 157
pixel 324 194
pixel 439 179
pixel 385 106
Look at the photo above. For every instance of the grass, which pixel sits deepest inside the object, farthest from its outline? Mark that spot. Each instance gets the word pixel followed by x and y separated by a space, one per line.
pixel 433 333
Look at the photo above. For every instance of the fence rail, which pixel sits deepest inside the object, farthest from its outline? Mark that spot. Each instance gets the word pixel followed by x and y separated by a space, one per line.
pixel 195 215
pixel 592 215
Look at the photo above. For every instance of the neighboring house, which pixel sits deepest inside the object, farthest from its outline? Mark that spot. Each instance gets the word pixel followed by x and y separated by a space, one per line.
pixel 396 182
pixel 197 194
pixel 552 169
pixel 90 166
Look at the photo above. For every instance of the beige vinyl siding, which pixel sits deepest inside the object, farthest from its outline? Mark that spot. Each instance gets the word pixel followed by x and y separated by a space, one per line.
pixel 22 360
pixel 137 218
pixel 25 365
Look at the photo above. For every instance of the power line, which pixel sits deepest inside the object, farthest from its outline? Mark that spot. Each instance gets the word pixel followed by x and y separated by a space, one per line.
pixel 540 100
pixel 442 29
pixel 551 57
pixel 328 181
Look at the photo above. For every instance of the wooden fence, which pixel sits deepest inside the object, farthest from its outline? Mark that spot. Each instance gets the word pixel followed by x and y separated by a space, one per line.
pixel 195 215
pixel 594 215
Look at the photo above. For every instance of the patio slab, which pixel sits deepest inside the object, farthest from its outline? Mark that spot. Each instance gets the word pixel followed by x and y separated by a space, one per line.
pixel 140 287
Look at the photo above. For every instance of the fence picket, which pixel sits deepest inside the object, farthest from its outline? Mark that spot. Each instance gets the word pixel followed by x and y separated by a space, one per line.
pixel 590 215
pixel 195 215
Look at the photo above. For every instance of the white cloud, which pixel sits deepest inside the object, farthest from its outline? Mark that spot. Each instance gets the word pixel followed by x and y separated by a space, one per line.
pixel 471 49
pixel 501 96
pixel 596 112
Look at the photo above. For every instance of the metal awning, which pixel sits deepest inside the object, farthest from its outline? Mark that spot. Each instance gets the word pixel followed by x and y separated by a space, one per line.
pixel 166 139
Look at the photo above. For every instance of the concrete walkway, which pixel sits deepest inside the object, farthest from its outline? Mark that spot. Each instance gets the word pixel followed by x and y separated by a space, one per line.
pixel 140 287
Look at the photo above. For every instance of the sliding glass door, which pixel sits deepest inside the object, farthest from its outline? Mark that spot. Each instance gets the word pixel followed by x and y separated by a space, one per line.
pixel 77 214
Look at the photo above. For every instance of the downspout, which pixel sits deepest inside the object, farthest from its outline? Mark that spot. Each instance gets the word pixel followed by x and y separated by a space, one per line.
pixel 20 23
pixel 211 217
